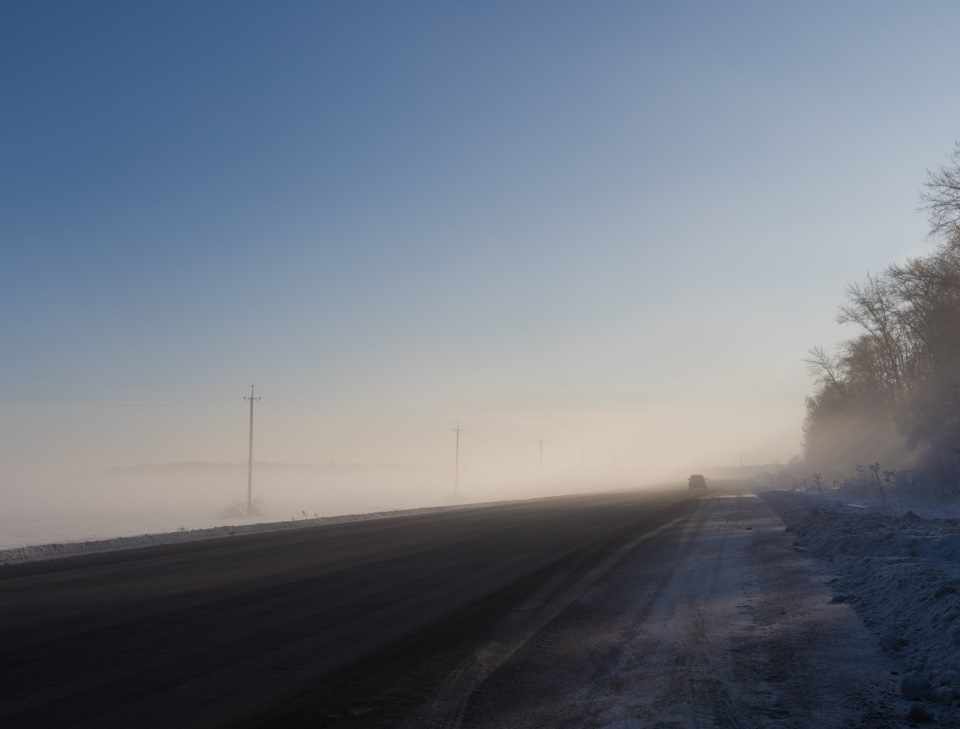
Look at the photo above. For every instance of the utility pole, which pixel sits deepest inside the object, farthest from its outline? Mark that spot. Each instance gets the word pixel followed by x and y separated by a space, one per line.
pixel 456 465
pixel 541 459
pixel 250 457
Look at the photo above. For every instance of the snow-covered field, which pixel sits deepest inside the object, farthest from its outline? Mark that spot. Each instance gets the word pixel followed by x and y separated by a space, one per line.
pixel 902 574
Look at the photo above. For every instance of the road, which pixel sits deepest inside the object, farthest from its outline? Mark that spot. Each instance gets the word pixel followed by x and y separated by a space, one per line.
pixel 603 610
pixel 203 633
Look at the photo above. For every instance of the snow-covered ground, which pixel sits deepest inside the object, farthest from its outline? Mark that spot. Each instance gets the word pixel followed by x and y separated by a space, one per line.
pixel 902 574
pixel 717 624
pixel 64 537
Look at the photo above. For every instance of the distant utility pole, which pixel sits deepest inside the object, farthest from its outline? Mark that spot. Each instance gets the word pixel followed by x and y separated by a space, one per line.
pixel 541 459
pixel 741 469
pixel 456 465
pixel 250 456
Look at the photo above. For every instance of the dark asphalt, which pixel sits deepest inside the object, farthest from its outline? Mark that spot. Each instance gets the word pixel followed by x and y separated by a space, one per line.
pixel 266 629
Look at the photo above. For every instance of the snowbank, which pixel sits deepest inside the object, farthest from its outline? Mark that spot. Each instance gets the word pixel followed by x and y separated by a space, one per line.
pixel 902 573
pixel 28 553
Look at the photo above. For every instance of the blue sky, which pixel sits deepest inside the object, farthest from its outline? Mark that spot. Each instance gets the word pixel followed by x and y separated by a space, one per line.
pixel 617 226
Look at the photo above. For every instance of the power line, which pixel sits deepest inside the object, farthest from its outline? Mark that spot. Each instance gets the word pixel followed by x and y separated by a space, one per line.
pixel 309 416
pixel 72 400
pixel 118 384
pixel 284 405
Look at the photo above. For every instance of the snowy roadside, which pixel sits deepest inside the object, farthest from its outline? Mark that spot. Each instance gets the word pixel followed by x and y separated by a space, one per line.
pixel 30 553
pixel 902 574
pixel 719 623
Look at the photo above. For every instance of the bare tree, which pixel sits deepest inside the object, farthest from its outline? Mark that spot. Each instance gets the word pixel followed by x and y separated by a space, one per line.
pixel 878 357
pixel 824 369
pixel 894 387
pixel 940 199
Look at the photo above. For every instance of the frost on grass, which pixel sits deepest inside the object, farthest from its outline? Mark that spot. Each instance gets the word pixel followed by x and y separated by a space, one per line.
pixel 902 573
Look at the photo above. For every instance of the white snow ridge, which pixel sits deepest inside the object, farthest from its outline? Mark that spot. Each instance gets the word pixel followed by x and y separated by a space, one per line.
pixel 55 550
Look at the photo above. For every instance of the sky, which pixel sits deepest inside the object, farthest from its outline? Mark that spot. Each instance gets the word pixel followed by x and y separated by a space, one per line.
pixel 614 227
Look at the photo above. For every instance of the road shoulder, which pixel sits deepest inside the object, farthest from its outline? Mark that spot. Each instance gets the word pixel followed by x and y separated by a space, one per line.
pixel 725 625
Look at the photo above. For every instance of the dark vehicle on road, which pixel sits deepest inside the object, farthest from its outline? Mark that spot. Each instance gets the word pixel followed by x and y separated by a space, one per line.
pixel 697 481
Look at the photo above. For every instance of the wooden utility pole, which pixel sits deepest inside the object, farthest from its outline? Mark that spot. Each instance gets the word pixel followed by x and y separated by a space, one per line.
pixel 456 465
pixel 250 457
pixel 541 459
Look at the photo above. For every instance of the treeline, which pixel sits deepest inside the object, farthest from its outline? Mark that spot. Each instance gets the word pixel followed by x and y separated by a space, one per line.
pixel 190 466
pixel 891 394
pixel 213 466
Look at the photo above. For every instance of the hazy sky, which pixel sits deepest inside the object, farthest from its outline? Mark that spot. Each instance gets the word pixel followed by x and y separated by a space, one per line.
pixel 615 226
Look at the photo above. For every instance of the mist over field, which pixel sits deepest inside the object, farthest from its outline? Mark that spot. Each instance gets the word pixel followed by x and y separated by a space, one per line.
pixel 175 456
pixel 200 488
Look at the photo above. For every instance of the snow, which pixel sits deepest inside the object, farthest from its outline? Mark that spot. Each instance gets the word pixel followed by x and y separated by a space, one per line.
pixel 902 574
pixel 26 531
pixel 719 624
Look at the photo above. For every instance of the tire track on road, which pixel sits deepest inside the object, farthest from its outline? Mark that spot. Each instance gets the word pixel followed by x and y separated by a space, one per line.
pixel 447 709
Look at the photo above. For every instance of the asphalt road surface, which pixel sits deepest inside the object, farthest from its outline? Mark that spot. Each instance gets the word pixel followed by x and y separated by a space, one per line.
pixel 622 609
pixel 216 632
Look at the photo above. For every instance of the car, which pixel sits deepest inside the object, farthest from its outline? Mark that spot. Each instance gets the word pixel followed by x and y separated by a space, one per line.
pixel 697 481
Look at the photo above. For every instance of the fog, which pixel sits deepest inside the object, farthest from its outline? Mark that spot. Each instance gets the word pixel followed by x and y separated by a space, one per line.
pixel 333 487
pixel 68 506
pixel 84 467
